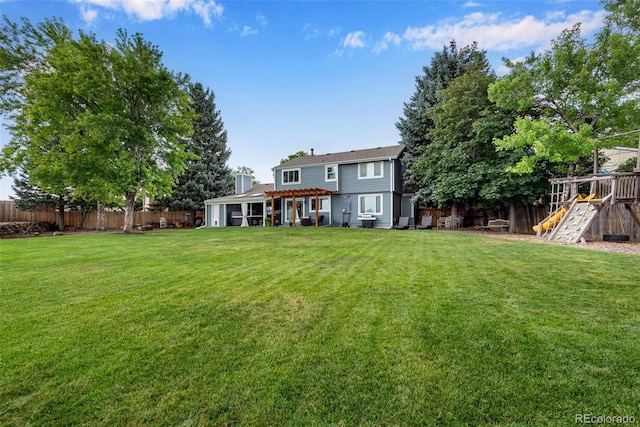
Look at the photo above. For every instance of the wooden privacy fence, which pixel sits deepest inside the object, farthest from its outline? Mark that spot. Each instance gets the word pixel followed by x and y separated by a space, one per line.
pixel 522 217
pixel 88 221
pixel 9 213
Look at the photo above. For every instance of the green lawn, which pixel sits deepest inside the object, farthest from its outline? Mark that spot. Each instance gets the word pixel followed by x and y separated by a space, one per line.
pixel 305 326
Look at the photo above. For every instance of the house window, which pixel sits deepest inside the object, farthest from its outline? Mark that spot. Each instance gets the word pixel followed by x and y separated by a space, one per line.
pixel 323 204
pixel 370 170
pixel 291 176
pixel 330 173
pixel 370 204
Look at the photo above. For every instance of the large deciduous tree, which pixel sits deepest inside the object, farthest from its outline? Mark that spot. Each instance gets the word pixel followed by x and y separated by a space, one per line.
pixel 294 156
pixel 107 121
pixel 206 174
pixel 578 91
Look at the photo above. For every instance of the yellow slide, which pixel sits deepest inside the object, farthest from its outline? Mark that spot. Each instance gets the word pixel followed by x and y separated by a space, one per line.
pixel 586 199
pixel 551 220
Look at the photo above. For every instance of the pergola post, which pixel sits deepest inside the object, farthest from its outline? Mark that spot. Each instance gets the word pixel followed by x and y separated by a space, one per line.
pixel 273 210
pixel 311 192
pixel 293 210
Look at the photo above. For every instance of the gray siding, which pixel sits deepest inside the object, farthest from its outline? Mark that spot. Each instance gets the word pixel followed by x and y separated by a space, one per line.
pixel 349 182
pixel 310 177
pixel 350 188
pixel 397 166
pixel 349 202
pixel 407 207
pixel 222 216
pixel 397 207
pixel 208 213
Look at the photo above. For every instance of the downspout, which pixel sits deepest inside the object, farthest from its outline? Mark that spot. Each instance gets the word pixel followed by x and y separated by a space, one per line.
pixel 391 188
pixel 204 223
pixel 331 196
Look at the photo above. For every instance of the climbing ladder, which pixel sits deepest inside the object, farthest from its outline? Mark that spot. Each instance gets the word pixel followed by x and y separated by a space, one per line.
pixel 632 211
pixel 576 221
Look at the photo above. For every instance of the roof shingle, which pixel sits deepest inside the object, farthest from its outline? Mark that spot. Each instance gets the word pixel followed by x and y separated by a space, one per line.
pixel 371 154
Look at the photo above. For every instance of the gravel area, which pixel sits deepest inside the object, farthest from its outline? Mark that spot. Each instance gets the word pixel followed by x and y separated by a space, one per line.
pixel 597 245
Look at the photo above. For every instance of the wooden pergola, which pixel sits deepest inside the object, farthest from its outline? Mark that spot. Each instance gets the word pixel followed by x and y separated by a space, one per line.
pixel 304 192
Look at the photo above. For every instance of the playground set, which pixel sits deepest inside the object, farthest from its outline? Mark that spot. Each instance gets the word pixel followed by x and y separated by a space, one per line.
pixel 613 197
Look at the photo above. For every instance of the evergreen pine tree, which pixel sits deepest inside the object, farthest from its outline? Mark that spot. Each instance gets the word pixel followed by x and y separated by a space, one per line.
pixel 414 127
pixel 29 197
pixel 207 176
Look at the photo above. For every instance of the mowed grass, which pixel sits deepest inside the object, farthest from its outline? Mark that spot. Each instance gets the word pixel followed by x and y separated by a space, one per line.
pixel 305 326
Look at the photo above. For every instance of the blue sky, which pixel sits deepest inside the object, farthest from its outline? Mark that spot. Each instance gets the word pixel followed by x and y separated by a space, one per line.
pixel 328 75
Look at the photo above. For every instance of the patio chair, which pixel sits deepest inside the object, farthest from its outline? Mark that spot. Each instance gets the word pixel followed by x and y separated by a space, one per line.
pixel 426 223
pixel 403 223
pixel 442 222
pixel 451 222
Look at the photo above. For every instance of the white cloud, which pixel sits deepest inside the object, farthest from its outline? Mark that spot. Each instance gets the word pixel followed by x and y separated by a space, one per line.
pixel 354 39
pixel 311 31
pixel 207 10
pixel 497 33
pixel 150 10
pixel 471 3
pixel 333 32
pixel 262 20
pixel 389 38
pixel 88 15
pixel 248 31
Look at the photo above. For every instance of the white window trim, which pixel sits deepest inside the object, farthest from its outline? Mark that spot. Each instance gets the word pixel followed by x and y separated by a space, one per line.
pixel 335 172
pixel 372 177
pixel 360 196
pixel 289 170
pixel 286 217
pixel 312 200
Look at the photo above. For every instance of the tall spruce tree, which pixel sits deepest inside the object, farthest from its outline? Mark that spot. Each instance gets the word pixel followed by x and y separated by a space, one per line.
pixel 208 175
pixel 31 198
pixel 417 122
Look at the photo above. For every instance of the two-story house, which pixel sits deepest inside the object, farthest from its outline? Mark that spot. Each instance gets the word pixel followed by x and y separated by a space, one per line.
pixel 353 188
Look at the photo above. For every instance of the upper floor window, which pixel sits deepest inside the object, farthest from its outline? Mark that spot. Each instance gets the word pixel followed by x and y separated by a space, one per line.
pixel 330 173
pixel 370 170
pixel 291 176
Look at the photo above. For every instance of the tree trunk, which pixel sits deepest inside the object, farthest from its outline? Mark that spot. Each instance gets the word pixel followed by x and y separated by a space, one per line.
pixel 454 209
pixel 130 199
pixel 61 216
pixel 512 217
pixel 100 217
